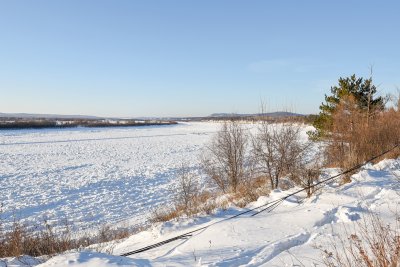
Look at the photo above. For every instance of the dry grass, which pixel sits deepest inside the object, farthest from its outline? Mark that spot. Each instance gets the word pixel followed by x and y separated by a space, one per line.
pixel 375 244
pixel 42 239
pixel 203 202
pixel 206 202
pixel 163 214
pixel 357 137
pixel 250 191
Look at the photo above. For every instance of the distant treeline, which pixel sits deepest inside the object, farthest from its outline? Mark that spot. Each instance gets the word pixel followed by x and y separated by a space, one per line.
pixel 39 123
pixel 308 119
pixel 23 123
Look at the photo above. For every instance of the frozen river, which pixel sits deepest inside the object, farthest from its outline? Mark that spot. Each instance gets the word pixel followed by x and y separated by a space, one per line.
pixel 94 176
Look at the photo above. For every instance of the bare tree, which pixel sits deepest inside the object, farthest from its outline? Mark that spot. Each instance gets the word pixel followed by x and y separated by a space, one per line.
pixel 187 191
pixel 225 161
pixel 278 151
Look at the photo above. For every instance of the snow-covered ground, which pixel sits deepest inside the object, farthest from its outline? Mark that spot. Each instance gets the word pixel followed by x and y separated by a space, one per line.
pixel 94 176
pixel 288 236
pixel 119 174
pixel 294 234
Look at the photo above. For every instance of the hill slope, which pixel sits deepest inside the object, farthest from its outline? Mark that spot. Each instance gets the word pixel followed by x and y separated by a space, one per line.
pixel 294 234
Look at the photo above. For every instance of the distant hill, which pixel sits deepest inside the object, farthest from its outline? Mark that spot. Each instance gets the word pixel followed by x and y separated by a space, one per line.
pixel 269 114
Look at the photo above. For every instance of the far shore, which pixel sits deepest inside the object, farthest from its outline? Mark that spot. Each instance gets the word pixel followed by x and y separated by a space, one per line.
pixel 16 124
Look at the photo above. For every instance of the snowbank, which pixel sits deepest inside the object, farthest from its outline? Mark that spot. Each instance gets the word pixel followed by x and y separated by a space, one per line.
pixel 290 235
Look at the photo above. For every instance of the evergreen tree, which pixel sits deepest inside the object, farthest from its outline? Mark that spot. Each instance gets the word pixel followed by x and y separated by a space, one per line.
pixel 363 91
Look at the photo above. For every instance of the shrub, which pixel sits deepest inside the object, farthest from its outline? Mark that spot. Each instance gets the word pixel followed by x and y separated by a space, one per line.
pixel 357 137
pixel 225 162
pixel 375 244
pixel 278 152
pixel 186 192
pixel 42 239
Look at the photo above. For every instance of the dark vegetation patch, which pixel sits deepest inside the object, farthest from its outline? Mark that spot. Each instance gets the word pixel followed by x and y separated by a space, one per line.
pixel 41 123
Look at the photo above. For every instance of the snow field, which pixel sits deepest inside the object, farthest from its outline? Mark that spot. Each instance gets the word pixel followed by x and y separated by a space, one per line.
pixel 292 235
pixel 94 176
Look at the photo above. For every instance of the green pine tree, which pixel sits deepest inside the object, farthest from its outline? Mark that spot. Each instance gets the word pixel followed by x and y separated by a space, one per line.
pixel 363 91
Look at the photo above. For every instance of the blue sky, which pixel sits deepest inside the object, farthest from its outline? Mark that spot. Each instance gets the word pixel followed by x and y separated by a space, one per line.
pixel 189 58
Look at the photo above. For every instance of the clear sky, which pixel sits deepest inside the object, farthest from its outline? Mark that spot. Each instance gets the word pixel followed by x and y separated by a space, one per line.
pixel 189 58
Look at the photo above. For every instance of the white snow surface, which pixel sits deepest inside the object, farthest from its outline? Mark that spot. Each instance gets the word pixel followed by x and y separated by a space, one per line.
pixel 291 235
pixel 94 176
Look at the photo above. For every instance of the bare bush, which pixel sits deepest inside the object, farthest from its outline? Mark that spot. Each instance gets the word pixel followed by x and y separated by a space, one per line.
pixel 187 191
pixel 107 233
pixel 203 202
pixel 38 240
pixel 278 151
pixel 225 163
pixel 375 244
pixel 186 198
pixel 250 190
pixel 108 237
pixel 308 171
pixel 164 214
pixel 2 233
pixel 306 177
pixel 21 239
pixel 207 203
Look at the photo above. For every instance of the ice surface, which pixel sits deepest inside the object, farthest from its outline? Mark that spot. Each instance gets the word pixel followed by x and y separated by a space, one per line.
pixel 93 176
